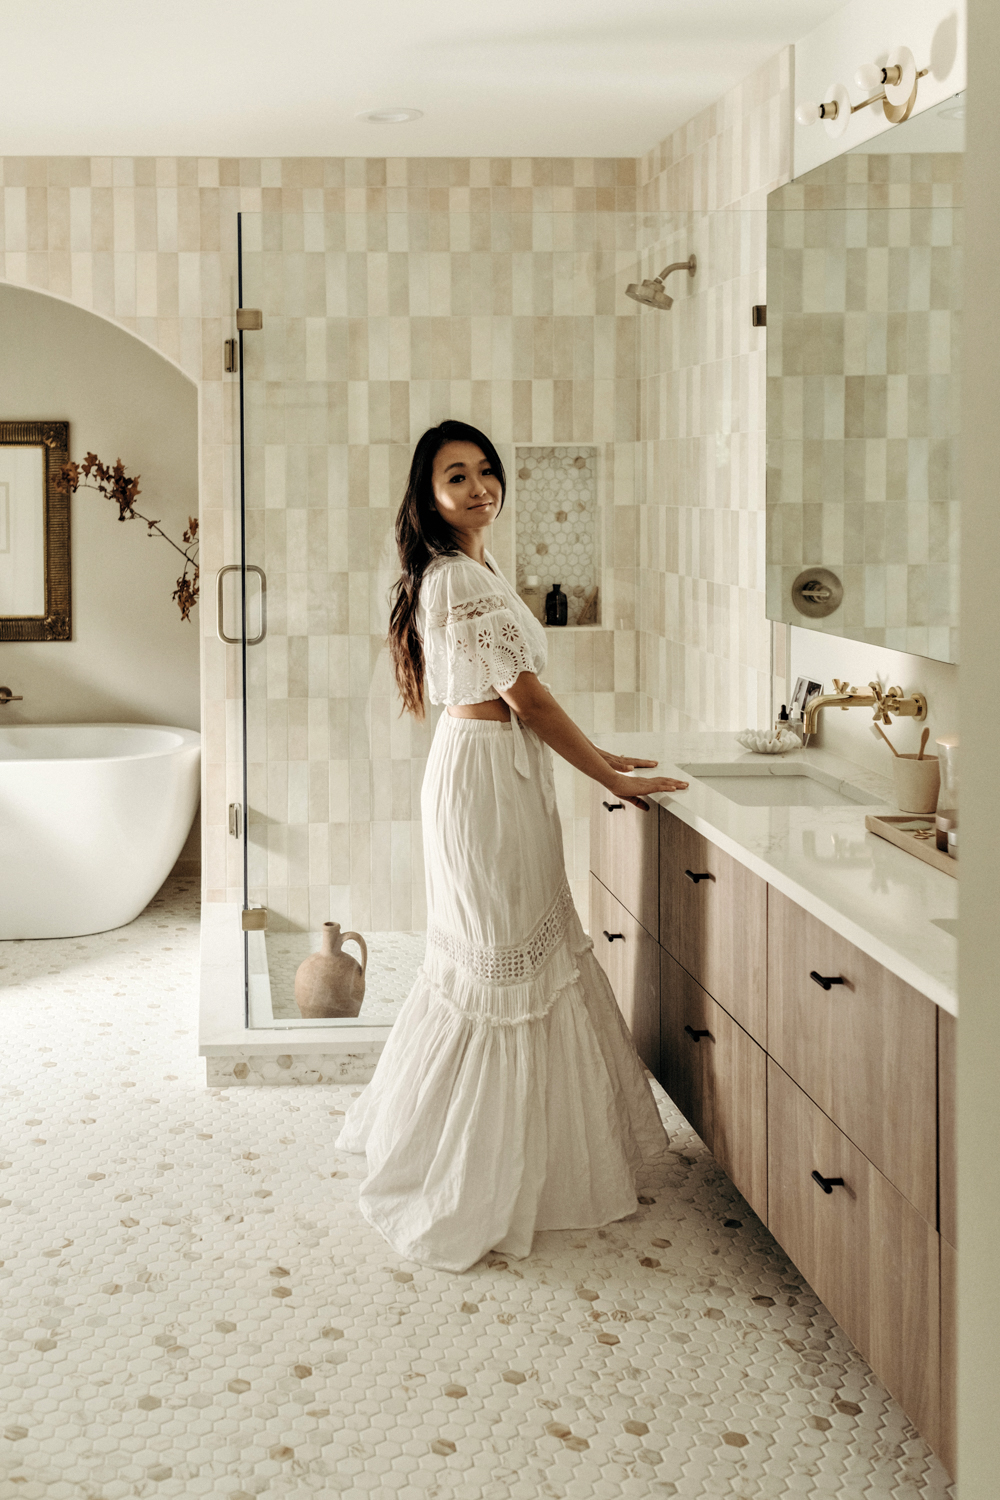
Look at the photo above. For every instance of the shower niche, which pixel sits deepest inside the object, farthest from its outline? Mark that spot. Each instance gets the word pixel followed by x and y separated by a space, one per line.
pixel 556 529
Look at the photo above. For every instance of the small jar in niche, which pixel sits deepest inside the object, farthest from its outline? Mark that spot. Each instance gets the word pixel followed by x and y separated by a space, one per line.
pixel 556 606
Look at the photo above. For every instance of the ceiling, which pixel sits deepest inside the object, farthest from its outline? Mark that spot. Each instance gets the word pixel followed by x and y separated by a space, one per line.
pixel 249 78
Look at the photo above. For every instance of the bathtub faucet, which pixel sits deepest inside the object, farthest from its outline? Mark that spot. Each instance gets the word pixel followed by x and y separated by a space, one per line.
pixel 6 696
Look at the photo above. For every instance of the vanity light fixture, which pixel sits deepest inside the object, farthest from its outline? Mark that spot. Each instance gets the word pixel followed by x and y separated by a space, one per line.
pixel 395 115
pixel 895 85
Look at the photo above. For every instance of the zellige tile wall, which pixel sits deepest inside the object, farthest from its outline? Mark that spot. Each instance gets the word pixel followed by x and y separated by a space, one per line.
pixel 484 289
pixel 704 640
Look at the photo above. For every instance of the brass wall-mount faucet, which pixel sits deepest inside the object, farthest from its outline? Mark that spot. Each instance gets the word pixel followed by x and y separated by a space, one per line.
pixel 6 696
pixel 885 701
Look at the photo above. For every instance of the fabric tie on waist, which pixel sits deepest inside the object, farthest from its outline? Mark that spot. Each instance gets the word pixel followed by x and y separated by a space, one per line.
pixel 522 765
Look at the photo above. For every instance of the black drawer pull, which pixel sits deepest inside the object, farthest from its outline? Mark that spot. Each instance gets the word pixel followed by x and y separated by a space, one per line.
pixel 826 981
pixel 696 1036
pixel 614 806
pixel 827 1183
pixel 612 935
pixel 692 875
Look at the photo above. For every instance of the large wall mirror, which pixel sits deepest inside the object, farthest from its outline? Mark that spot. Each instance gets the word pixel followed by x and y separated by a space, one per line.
pixel 34 532
pixel 864 283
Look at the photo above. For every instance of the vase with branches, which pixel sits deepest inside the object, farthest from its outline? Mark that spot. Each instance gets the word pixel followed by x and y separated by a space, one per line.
pixel 114 483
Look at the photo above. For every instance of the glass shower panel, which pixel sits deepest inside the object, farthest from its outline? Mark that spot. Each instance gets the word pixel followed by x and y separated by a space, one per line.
pixel 376 325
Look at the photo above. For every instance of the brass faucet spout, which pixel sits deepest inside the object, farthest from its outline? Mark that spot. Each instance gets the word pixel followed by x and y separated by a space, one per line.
pixel 886 702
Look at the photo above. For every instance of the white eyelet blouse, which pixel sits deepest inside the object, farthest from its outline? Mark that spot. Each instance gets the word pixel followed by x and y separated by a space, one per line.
pixel 478 637
pixel 477 632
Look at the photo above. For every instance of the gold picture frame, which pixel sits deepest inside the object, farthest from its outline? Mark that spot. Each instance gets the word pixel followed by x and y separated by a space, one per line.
pixel 56 622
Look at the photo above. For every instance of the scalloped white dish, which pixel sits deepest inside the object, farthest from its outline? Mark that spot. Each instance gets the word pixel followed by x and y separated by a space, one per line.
pixel 769 741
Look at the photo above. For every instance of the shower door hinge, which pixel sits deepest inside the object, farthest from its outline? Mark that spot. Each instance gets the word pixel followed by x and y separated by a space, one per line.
pixel 254 919
pixel 235 819
pixel 232 358
pixel 758 317
pixel 249 319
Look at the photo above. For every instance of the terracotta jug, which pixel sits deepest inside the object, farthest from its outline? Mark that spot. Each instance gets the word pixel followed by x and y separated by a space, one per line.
pixel 331 982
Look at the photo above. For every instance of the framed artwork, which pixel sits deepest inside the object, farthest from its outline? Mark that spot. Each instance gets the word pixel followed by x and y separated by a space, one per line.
pixel 34 533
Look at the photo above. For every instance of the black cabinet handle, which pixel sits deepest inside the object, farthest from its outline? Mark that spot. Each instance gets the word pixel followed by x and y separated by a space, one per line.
pixel 827 1183
pixel 614 806
pixel 826 981
pixel 692 875
pixel 696 1036
pixel 612 935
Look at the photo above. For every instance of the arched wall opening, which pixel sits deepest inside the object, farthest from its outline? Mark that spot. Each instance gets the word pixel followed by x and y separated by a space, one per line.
pixel 131 657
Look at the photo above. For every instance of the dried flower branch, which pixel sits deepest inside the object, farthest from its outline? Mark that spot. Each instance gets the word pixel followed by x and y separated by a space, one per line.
pixel 115 484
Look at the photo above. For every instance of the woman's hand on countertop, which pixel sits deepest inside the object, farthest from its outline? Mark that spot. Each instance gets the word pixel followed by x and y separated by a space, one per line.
pixel 634 788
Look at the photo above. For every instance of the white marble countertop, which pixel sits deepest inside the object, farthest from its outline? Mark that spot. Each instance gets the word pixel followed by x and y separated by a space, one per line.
pixel 894 907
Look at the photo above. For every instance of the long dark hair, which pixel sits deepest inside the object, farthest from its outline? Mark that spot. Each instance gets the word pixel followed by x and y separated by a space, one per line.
pixel 423 534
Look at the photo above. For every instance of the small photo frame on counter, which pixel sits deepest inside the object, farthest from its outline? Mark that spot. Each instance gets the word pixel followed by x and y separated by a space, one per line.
pixel 804 690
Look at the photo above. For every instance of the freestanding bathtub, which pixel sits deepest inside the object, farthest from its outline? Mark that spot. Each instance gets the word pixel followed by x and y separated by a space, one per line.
pixel 92 819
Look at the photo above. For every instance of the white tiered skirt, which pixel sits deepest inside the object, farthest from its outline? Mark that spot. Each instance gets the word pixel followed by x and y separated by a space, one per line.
pixel 509 1096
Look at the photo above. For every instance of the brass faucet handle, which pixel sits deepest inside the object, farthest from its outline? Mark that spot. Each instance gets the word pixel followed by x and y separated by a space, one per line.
pixel 841 686
pixel 6 696
pixel 882 704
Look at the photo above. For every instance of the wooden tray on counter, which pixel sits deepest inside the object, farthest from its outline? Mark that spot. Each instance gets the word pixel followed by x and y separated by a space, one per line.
pixel 899 831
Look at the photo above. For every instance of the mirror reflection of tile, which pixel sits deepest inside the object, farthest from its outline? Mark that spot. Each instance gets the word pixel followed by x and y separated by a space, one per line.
pixel 864 305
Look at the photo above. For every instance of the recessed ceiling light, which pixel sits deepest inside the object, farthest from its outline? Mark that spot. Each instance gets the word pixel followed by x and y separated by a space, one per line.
pixel 395 116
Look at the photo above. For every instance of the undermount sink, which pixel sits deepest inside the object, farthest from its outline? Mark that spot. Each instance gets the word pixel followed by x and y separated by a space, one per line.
pixel 779 785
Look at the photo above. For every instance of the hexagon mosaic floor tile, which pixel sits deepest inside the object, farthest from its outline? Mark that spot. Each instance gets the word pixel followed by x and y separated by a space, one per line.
pixel 190 1303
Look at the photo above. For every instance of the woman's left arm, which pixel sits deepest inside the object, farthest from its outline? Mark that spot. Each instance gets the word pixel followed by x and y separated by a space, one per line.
pixel 537 708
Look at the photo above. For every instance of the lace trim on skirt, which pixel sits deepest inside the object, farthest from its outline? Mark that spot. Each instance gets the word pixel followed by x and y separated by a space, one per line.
pixel 486 1003
pixel 516 964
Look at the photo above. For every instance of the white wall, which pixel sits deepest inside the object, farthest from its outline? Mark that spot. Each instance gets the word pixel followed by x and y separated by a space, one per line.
pixel 131 657
pixel 979 940
pixel 867 31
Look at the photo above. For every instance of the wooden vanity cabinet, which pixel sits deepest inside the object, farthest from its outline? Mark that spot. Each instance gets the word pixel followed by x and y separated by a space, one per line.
pixel 713 921
pixel 866 1252
pixel 782 1077
pixel 631 960
pixel 864 1047
pixel 624 850
pixel 717 1076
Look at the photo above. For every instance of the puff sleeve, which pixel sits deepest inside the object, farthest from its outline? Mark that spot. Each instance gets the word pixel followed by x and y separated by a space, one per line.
pixel 474 646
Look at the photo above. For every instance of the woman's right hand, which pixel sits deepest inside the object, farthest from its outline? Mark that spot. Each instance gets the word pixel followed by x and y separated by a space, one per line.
pixel 634 788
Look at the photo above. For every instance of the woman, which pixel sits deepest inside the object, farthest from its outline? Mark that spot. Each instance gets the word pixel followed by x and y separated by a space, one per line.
pixel 509 1096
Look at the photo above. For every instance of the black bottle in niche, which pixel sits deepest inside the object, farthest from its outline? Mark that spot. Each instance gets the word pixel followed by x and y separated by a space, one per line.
pixel 556 606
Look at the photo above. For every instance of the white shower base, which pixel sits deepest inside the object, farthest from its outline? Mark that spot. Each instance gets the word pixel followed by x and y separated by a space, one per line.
pixel 279 1048
pixel 393 961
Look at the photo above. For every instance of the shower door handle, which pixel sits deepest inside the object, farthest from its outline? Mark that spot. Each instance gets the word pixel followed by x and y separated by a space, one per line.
pixel 255 640
pixel 227 640
pixel 234 640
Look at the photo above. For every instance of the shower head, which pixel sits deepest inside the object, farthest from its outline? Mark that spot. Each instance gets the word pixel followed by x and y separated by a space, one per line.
pixel 652 293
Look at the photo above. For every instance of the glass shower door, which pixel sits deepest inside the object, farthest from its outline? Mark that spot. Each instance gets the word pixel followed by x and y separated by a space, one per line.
pixel 332 773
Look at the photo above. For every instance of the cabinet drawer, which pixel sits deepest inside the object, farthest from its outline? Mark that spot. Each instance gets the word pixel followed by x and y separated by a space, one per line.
pixel 623 853
pixel 865 1050
pixel 947 1147
pixel 718 1081
pixel 716 926
pixel 865 1251
pixel 631 960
